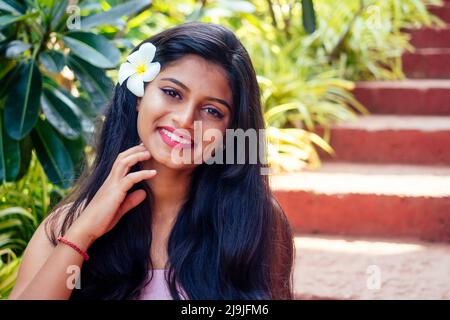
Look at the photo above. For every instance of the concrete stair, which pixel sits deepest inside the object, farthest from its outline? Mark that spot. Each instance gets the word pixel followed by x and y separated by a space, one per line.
pixel 410 96
pixel 390 174
pixel 427 63
pixel 368 200
pixel 442 12
pixel 344 268
pixel 430 37
pixel 432 55
pixel 383 200
pixel 392 139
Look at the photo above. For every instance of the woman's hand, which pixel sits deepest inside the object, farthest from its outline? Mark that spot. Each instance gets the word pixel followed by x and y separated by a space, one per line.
pixel 111 201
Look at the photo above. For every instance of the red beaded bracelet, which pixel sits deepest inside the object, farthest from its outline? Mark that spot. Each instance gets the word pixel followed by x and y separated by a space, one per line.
pixel 84 254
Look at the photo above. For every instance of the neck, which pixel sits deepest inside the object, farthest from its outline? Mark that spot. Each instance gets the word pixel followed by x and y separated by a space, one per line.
pixel 170 189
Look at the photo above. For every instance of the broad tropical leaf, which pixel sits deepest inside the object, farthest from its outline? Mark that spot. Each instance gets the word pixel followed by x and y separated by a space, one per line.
pixel 92 79
pixel 22 103
pixel 9 155
pixel 62 118
pixel 52 60
pixel 95 49
pixel 12 6
pixel 52 154
pixel 112 15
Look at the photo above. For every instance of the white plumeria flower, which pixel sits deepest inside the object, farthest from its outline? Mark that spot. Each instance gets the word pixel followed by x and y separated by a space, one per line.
pixel 139 69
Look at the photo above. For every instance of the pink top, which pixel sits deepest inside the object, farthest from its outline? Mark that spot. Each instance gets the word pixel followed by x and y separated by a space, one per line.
pixel 157 288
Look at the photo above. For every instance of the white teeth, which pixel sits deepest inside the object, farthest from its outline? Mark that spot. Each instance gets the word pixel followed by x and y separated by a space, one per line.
pixel 175 137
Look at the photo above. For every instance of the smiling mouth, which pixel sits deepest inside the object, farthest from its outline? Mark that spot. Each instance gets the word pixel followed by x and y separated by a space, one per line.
pixel 172 139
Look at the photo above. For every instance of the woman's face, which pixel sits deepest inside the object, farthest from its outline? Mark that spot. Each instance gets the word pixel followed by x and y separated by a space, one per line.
pixel 189 90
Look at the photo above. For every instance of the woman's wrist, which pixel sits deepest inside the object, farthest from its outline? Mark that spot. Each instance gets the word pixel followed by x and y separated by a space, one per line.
pixel 79 236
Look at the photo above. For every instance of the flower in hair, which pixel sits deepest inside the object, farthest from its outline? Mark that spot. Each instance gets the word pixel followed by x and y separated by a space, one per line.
pixel 139 68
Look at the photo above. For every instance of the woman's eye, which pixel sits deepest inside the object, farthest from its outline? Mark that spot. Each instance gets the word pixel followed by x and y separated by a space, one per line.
pixel 172 93
pixel 214 113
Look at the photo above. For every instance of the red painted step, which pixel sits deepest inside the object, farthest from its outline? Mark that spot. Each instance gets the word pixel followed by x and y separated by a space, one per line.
pixel 368 200
pixel 427 63
pixel 430 37
pixel 330 267
pixel 392 139
pixel 413 97
pixel 442 12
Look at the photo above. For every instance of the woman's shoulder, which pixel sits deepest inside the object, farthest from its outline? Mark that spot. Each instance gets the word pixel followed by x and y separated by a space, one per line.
pixel 37 251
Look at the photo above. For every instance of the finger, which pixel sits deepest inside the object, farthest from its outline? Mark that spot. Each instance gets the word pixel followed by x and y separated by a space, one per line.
pixel 132 178
pixel 124 165
pixel 131 201
pixel 127 152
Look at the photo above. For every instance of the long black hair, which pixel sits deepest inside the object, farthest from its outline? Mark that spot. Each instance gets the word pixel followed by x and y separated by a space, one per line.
pixel 231 239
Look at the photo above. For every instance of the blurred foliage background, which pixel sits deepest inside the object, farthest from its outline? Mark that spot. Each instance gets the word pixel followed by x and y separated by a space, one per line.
pixel 58 65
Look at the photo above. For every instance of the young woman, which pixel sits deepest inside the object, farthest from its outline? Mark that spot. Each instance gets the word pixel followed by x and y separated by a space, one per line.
pixel 154 227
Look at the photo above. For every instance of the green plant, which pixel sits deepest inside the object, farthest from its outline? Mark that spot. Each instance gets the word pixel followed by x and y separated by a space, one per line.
pixel 23 206
pixel 365 39
pixel 53 83
pixel 305 77
pixel 297 97
pixel 9 266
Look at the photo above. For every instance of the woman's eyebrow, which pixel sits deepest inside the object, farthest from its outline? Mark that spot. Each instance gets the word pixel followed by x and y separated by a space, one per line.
pixel 181 84
pixel 219 101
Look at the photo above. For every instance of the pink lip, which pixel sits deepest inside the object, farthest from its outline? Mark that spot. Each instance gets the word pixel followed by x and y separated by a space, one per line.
pixel 183 136
pixel 170 142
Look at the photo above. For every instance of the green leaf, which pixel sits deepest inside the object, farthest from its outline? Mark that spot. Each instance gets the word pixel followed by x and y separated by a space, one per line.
pixel 87 108
pixel 26 146
pixel 52 154
pixel 82 109
pixel 9 155
pixel 21 212
pixel 6 65
pixel 95 49
pixel 10 223
pixel 15 48
pixel 12 6
pixel 308 16
pixel 57 13
pixel 46 3
pixel 76 151
pixel 52 60
pixel 8 274
pixel 60 115
pixel 93 80
pixel 22 103
pixel 9 19
pixel 238 6
pixel 197 13
pixel 7 239
pixel 112 15
pixel 278 111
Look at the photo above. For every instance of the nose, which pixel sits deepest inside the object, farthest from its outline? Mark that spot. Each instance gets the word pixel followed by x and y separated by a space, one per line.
pixel 185 116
